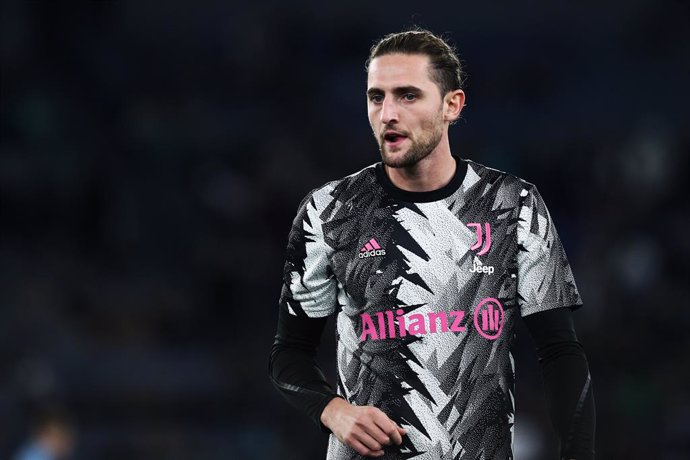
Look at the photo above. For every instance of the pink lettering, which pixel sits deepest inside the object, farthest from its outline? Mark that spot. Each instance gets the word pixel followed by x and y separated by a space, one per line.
pixel 417 325
pixel 457 317
pixel 401 322
pixel 432 321
pixel 368 327
pixel 382 325
pixel 391 325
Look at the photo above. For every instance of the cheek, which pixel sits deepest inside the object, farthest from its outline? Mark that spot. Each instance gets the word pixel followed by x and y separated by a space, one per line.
pixel 372 120
pixel 434 118
pixel 428 121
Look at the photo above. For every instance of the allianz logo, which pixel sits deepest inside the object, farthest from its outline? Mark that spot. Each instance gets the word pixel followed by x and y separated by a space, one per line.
pixel 478 267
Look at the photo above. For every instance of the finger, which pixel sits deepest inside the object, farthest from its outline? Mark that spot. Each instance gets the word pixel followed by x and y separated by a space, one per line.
pixel 364 450
pixel 372 444
pixel 376 453
pixel 396 436
pixel 379 434
pixel 389 427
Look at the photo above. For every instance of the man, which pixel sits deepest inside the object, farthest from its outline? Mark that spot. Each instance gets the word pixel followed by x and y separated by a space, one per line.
pixel 429 260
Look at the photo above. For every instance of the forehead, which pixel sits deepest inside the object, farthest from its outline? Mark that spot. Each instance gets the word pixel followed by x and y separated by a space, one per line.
pixel 395 70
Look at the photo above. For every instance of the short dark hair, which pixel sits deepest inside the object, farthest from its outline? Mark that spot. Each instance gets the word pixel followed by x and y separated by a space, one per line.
pixel 446 69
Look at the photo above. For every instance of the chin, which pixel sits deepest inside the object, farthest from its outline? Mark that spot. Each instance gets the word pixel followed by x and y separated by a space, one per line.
pixel 401 158
pixel 394 159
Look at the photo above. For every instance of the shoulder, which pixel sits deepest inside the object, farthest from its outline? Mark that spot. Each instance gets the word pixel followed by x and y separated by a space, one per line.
pixel 332 194
pixel 509 186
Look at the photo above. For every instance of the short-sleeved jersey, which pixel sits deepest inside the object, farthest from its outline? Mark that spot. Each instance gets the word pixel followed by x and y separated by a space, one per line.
pixel 427 288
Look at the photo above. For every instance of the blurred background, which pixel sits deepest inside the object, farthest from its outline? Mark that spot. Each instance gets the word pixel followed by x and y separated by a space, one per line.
pixel 153 154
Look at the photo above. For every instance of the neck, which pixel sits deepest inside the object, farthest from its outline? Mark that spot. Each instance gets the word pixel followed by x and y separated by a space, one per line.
pixel 431 173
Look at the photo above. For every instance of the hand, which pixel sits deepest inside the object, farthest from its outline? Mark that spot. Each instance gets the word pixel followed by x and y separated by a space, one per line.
pixel 364 428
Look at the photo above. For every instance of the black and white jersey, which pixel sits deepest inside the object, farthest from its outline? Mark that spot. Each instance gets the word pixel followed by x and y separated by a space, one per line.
pixel 427 288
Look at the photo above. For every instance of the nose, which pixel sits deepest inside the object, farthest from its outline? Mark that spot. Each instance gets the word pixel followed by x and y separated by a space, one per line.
pixel 389 112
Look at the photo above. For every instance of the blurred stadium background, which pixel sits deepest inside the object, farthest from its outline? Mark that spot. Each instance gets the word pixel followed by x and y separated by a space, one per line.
pixel 153 155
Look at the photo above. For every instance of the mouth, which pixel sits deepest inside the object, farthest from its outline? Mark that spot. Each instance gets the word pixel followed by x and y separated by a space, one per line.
pixel 393 138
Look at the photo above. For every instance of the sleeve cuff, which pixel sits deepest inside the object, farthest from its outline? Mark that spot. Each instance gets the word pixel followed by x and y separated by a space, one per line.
pixel 322 406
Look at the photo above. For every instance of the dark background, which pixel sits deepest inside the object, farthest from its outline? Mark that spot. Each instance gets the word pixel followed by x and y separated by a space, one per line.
pixel 153 155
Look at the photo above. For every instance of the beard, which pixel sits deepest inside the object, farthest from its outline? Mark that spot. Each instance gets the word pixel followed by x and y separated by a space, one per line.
pixel 420 148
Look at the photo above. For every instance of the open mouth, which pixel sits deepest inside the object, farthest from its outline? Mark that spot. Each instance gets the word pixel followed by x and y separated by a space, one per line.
pixel 394 139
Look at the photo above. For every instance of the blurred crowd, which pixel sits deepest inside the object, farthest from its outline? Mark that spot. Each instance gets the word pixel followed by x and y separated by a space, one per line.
pixel 152 157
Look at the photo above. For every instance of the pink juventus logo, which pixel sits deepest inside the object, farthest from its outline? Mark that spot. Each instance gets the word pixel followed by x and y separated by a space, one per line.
pixel 492 317
pixel 480 237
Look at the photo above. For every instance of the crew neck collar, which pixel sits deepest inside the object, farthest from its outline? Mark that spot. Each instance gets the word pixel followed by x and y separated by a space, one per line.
pixel 423 197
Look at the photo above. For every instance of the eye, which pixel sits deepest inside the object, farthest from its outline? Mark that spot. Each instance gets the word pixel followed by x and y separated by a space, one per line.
pixel 376 98
pixel 410 97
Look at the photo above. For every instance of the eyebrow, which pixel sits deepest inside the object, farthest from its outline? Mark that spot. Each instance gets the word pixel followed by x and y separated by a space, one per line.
pixel 397 91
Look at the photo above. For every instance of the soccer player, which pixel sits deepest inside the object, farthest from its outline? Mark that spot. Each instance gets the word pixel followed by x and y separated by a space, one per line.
pixel 429 260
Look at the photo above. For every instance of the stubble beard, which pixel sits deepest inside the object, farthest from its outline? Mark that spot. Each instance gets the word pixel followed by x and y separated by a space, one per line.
pixel 418 149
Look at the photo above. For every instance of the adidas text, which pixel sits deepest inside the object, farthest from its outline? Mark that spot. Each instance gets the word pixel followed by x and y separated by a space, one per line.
pixel 373 253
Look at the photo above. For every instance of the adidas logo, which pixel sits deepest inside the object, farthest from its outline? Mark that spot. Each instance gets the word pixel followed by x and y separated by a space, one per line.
pixel 371 249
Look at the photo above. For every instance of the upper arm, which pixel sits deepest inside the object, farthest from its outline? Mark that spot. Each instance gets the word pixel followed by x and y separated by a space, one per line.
pixel 551 326
pixel 545 279
pixel 309 286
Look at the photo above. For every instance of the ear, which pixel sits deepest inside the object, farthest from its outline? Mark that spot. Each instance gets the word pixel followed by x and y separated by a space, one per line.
pixel 454 101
